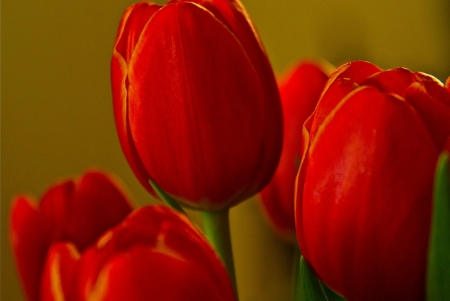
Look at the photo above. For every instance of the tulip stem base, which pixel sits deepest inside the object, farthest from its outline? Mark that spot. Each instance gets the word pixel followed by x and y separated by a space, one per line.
pixel 216 227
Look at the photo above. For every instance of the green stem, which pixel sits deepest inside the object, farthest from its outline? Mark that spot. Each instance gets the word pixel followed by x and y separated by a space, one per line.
pixel 165 197
pixel 216 227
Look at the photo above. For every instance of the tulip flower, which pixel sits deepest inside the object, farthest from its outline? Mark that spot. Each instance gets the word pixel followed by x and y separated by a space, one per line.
pixel 77 211
pixel 364 190
pixel 154 254
pixel 196 104
pixel 300 91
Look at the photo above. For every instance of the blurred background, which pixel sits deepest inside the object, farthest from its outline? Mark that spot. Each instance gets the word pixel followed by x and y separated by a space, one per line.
pixel 57 118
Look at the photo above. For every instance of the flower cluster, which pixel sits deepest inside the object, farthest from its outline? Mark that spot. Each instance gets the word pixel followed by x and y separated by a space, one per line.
pixel 344 161
pixel 84 242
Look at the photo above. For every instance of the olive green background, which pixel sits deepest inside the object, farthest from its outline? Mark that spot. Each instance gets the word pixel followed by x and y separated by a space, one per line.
pixel 57 116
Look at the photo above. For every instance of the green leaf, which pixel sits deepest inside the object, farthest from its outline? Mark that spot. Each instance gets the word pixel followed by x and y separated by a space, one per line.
pixel 438 282
pixel 165 197
pixel 331 295
pixel 312 288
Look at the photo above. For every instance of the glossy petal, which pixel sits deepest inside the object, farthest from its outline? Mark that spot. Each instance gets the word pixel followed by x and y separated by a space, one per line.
pixel 207 102
pixel 398 80
pixel 143 273
pixel 433 87
pixel 371 176
pixel 435 114
pixel 132 23
pixel 394 80
pixel 233 14
pixel 356 71
pixel 300 92
pixel 329 100
pixel 334 94
pixel 155 253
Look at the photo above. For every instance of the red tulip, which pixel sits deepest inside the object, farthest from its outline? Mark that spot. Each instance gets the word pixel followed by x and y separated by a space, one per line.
pixel 364 187
pixel 300 91
pixel 76 211
pixel 196 105
pixel 154 254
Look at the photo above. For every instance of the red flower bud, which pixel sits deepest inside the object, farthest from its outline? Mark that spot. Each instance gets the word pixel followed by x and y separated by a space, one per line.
pixel 364 188
pixel 300 91
pixel 154 254
pixel 76 211
pixel 196 105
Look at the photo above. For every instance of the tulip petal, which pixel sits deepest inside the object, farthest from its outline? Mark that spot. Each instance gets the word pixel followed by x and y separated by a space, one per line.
pixel 155 252
pixel 395 80
pixel 435 114
pixel 357 71
pixel 143 273
pixel 334 94
pixel 177 235
pixel 233 14
pixel 100 204
pixel 433 87
pixel 80 211
pixel 119 83
pixel 212 98
pixel 133 22
pixel 361 182
pixel 398 80
pixel 59 273
pixel 131 25
pixel 336 91
pixel 30 235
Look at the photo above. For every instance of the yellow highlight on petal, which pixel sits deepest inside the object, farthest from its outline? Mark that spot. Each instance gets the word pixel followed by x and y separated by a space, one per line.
pixel 104 239
pixel 98 291
pixel 161 247
pixel 56 286
pixel 55 276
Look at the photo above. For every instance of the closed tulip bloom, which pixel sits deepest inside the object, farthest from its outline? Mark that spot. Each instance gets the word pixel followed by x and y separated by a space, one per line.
pixel 364 191
pixel 300 91
pixel 154 254
pixel 196 104
pixel 78 211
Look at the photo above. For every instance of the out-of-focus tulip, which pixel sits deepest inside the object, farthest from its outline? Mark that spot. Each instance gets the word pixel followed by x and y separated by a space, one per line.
pixel 77 211
pixel 364 188
pixel 196 104
pixel 300 91
pixel 154 254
